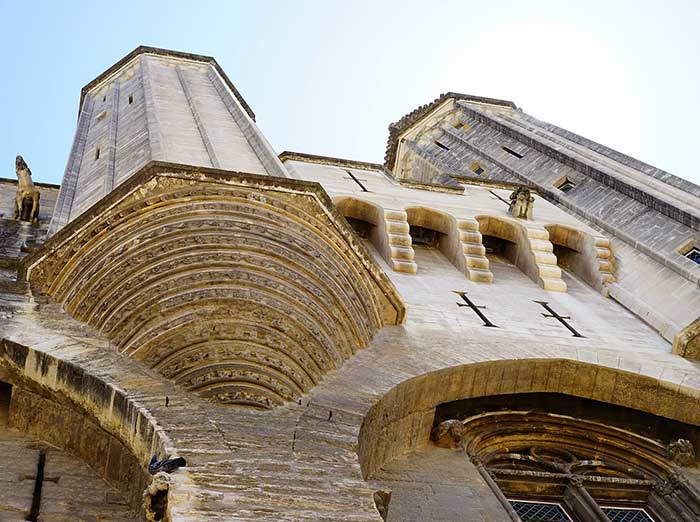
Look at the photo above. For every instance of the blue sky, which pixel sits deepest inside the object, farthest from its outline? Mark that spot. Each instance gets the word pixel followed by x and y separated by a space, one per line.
pixel 327 77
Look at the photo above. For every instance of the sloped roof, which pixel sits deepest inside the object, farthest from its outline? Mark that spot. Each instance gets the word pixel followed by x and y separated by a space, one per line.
pixel 143 49
pixel 397 128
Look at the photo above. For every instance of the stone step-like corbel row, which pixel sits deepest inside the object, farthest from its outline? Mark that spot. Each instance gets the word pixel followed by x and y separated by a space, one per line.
pixel 594 263
pixel 470 239
pixel 400 249
pixel 604 255
pixel 462 243
pixel 535 252
pixel 548 274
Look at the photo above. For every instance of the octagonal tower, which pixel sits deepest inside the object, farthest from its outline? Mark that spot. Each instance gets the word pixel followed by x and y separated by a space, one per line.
pixel 158 105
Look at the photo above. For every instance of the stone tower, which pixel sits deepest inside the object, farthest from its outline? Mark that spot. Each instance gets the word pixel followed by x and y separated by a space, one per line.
pixel 156 105
pixel 498 324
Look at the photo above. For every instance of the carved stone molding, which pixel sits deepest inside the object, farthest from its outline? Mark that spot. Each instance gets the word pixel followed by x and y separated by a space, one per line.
pixel 245 289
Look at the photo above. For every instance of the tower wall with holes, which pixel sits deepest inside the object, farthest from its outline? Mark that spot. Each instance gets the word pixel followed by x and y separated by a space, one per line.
pixel 158 106
pixel 652 215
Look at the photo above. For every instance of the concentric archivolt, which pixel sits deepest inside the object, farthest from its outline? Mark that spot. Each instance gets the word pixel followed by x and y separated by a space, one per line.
pixel 543 442
pixel 241 288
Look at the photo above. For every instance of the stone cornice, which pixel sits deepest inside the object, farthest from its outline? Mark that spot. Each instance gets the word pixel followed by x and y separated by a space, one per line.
pixel 328 160
pixel 143 49
pixel 37 183
pixel 433 187
pixel 493 183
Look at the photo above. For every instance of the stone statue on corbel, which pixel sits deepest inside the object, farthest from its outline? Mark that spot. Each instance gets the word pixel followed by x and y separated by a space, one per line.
pixel 521 203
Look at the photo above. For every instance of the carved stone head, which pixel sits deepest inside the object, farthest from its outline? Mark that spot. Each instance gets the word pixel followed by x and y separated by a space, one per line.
pixel 20 163
pixel 681 452
pixel 448 434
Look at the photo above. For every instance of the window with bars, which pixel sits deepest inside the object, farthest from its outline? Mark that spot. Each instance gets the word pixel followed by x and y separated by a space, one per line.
pixel 554 473
pixel 540 512
pixel 529 511
pixel 627 515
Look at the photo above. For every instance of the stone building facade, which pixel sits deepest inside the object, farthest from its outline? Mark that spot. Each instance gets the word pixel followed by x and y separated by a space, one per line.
pixel 499 323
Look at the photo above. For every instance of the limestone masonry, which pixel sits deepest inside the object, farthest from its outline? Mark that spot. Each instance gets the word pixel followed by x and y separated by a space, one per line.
pixel 500 323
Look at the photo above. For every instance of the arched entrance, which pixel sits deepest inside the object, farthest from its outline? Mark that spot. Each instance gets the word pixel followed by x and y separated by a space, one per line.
pixel 587 438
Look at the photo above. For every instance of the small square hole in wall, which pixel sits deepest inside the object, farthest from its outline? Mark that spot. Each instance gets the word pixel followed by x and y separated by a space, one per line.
pixel 460 126
pixel 477 169
pixel 564 184
pixel 131 99
pixel 97 153
pixel 693 254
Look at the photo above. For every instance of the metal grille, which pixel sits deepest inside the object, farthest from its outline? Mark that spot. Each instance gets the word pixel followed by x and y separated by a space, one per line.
pixel 537 512
pixel 627 515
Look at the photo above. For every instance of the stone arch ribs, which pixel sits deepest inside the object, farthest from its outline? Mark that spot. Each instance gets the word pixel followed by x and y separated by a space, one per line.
pixel 593 261
pixel 535 255
pixel 245 289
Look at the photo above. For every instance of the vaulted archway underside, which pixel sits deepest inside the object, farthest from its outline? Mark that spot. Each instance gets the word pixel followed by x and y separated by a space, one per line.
pixel 245 289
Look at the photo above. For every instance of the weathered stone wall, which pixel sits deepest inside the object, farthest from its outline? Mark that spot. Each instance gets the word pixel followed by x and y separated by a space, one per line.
pixel 72 430
pixel 70 490
pixel 304 461
pixel 439 485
